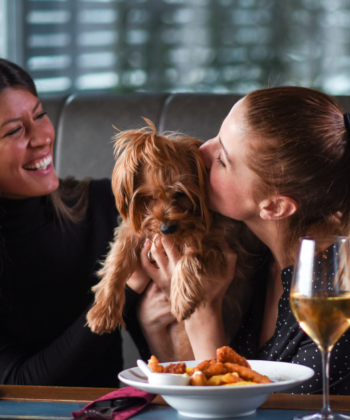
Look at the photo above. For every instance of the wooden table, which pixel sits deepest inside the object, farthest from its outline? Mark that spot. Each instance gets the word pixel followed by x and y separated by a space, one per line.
pixel 85 395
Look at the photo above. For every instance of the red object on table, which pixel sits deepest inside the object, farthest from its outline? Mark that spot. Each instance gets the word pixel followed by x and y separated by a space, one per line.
pixel 123 393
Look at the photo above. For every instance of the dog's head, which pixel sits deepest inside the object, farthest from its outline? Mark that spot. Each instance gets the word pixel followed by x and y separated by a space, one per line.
pixel 158 183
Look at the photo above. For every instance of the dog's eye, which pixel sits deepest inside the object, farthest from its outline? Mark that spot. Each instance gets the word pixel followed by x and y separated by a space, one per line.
pixel 179 195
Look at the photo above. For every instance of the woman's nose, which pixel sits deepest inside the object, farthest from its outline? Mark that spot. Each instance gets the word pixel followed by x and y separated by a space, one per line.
pixel 206 154
pixel 39 140
pixel 39 137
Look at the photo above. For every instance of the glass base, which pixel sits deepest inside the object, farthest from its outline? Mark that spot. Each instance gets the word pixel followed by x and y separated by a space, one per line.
pixel 319 416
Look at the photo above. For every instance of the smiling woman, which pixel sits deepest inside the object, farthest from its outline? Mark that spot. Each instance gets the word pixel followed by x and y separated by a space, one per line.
pixel 53 235
pixel 26 146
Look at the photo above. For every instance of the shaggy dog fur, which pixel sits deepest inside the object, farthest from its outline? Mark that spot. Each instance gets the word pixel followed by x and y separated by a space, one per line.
pixel 159 187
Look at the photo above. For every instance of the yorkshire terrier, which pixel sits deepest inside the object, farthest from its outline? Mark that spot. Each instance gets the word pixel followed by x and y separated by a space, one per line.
pixel 159 186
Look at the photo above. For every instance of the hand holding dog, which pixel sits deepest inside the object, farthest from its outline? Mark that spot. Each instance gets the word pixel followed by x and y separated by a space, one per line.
pixel 167 258
pixel 141 276
pixel 166 337
pixel 205 328
pixel 166 255
pixel 154 310
pixel 160 272
pixel 154 316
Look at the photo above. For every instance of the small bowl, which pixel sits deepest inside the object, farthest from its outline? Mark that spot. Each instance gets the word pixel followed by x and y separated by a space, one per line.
pixel 163 378
pixel 168 379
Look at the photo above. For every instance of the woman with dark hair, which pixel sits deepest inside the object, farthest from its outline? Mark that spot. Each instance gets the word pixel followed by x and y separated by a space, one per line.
pixel 53 235
pixel 280 164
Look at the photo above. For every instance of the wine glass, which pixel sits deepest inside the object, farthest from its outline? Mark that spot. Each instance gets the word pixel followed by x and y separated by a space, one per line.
pixel 320 300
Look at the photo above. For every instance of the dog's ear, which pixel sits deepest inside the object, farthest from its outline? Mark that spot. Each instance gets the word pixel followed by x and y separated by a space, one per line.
pixel 200 171
pixel 122 185
pixel 128 161
pixel 131 148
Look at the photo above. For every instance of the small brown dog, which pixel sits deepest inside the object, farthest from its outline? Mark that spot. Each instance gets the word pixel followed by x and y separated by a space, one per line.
pixel 159 186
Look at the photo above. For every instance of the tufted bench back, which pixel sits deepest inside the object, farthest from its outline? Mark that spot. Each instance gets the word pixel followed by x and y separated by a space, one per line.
pixel 84 124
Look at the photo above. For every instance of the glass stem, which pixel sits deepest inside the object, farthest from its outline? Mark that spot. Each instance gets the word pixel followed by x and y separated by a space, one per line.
pixel 325 365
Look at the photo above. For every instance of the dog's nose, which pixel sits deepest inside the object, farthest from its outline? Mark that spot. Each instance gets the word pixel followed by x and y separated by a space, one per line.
pixel 168 229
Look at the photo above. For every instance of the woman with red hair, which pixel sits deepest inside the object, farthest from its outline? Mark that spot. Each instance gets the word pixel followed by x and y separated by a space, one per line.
pixel 280 165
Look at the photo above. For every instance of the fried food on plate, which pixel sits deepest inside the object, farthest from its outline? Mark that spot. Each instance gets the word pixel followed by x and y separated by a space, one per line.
pixel 247 374
pixel 214 368
pixel 227 355
pixel 228 378
pixel 153 363
pixel 179 368
pixel 202 366
pixel 229 368
pixel 198 379
pixel 240 383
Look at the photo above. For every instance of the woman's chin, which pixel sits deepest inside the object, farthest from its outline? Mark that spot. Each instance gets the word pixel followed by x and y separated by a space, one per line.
pixel 43 181
pixel 33 184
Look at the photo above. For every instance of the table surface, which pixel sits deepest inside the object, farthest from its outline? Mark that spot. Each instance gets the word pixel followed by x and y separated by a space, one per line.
pixel 76 398
pixel 85 395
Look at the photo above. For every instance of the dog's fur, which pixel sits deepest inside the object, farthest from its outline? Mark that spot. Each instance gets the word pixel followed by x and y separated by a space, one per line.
pixel 159 186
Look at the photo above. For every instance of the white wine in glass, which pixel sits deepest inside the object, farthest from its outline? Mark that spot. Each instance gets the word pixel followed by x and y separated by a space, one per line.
pixel 320 300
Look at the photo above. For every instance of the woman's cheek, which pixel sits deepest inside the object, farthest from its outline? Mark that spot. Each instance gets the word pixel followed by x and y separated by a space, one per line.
pixel 215 180
pixel 213 190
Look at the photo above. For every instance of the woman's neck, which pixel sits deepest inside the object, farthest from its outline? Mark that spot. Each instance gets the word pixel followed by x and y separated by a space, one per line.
pixel 272 234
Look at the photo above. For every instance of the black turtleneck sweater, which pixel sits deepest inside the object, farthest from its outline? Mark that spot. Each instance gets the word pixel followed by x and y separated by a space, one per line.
pixel 46 274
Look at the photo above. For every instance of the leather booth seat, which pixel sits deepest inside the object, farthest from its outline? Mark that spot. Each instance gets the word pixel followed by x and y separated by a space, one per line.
pixel 85 124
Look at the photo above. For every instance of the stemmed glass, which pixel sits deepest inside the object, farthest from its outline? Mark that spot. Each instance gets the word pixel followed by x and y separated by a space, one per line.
pixel 320 300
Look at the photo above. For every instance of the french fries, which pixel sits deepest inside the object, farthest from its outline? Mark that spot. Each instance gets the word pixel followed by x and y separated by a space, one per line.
pixel 228 369
pixel 228 378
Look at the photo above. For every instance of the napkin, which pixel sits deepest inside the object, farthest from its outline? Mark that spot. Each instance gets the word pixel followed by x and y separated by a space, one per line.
pixel 126 392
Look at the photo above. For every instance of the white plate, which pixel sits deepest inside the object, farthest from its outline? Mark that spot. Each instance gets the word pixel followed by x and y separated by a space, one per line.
pixel 222 401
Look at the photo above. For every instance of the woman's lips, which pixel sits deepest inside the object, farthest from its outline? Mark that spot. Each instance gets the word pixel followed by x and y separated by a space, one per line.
pixel 40 165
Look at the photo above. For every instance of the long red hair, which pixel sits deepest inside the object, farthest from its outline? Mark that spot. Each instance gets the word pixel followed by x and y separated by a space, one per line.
pixel 302 151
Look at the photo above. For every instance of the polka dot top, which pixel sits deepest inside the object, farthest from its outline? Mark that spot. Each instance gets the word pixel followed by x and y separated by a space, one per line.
pixel 289 343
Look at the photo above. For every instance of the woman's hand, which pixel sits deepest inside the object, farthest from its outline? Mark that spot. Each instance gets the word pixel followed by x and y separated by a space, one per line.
pixel 140 277
pixel 154 310
pixel 166 256
pixel 205 327
pixel 166 337
pixel 145 271
pixel 154 316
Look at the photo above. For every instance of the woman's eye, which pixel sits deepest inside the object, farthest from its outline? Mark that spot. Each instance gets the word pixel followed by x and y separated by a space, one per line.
pixel 14 131
pixel 41 115
pixel 221 163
